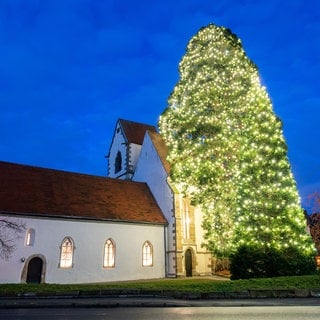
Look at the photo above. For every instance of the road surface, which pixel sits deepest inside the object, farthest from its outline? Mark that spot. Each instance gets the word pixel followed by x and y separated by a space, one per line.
pixel 174 313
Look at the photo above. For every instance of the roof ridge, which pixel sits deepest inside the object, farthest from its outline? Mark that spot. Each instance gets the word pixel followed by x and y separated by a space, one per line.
pixel 45 169
pixel 136 122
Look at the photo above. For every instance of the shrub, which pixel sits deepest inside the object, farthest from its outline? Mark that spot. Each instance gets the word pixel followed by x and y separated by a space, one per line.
pixel 261 262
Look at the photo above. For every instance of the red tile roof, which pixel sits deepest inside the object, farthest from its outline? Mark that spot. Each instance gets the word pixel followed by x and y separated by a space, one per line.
pixel 33 190
pixel 135 131
pixel 161 148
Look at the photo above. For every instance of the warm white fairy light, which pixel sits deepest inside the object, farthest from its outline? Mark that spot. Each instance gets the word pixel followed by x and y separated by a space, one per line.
pixel 226 145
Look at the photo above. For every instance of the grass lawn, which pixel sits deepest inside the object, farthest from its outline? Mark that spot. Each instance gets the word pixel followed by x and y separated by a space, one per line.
pixel 201 285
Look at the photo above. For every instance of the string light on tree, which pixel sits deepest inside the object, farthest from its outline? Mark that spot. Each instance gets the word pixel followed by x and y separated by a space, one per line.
pixel 227 150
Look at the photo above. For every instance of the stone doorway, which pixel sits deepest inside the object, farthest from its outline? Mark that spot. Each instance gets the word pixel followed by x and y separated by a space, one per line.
pixel 34 269
pixel 34 272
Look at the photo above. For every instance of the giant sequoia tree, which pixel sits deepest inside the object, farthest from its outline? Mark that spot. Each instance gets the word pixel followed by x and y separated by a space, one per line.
pixel 227 150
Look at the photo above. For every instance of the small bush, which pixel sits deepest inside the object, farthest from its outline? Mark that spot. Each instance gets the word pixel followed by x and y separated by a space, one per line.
pixel 263 262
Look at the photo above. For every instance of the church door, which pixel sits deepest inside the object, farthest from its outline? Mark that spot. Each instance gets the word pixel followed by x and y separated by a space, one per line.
pixel 188 263
pixel 34 270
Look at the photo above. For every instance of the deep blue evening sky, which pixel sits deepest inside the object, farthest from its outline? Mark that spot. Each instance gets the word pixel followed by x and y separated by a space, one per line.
pixel 70 68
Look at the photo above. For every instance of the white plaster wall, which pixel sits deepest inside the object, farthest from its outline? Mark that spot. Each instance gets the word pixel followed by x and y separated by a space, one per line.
pixel 129 152
pixel 134 153
pixel 89 239
pixel 150 170
pixel 118 144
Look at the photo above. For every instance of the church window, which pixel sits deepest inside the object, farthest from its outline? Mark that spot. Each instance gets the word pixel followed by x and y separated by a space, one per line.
pixel 147 254
pixel 66 253
pixel 118 163
pixel 109 254
pixel 30 235
pixel 186 220
pixel 185 217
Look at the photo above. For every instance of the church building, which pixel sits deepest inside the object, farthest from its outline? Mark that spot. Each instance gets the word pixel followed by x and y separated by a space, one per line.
pixel 132 224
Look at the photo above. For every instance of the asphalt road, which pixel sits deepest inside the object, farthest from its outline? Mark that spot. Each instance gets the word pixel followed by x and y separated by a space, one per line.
pixel 175 313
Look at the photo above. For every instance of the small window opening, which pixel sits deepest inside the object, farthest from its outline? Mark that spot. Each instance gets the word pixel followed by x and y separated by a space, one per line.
pixel 66 254
pixel 109 254
pixel 147 254
pixel 30 235
pixel 118 163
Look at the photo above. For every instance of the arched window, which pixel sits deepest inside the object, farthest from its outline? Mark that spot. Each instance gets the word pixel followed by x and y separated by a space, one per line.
pixel 118 163
pixel 109 254
pixel 66 253
pixel 147 254
pixel 30 235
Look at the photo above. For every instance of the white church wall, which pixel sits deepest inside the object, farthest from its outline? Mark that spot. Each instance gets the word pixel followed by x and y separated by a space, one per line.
pixel 129 155
pixel 118 144
pixel 134 153
pixel 89 239
pixel 150 170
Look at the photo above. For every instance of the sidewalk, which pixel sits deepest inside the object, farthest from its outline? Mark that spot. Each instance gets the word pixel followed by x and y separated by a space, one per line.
pixel 137 298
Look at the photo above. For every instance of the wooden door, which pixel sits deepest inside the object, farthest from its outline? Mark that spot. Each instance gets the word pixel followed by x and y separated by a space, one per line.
pixel 188 263
pixel 34 270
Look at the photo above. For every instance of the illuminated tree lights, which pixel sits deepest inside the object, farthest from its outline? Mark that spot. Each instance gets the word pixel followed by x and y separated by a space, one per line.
pixel 227 151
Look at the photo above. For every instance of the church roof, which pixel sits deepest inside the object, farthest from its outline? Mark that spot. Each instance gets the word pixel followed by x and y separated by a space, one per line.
pixel 46 192
pixel 135 131
pixel 161 148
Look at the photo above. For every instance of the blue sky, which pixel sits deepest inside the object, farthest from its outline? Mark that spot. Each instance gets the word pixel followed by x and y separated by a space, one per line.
pixel 70 68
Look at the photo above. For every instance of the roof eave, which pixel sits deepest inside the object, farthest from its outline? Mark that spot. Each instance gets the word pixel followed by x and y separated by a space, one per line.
pixel 79 218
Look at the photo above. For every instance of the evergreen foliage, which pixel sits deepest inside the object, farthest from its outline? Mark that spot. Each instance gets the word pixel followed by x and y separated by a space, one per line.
pixel 227 151
pixel 257 262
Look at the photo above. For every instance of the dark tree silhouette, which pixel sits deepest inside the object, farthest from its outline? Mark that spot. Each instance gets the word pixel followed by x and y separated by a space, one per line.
pixel 10 230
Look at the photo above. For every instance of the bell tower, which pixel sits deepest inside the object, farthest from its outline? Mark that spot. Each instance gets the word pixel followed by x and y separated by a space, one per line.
pixel 125 148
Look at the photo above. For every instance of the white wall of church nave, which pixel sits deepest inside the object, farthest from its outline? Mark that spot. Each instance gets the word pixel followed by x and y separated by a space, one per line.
pixel 150 170
pixel 89 239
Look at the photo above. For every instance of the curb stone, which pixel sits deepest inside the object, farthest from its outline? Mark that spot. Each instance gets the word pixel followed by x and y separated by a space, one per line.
pixel 315 293
pixel 261 294
pixel 213 295
pixel 302 293
pixel 246 294
pixel 284 293
pixel 237 295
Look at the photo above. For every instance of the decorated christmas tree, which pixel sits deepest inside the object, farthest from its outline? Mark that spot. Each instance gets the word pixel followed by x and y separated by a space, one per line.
pixel 227 151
